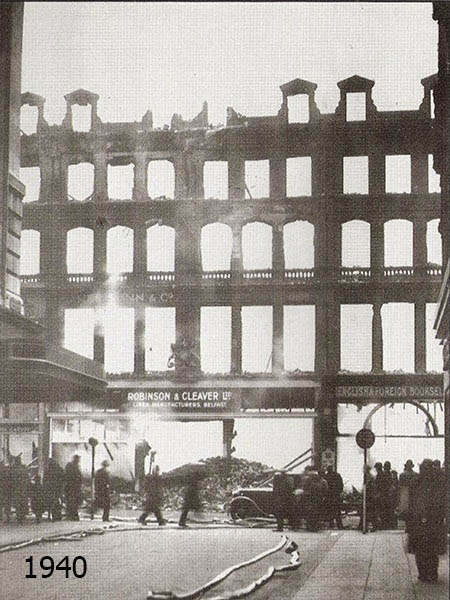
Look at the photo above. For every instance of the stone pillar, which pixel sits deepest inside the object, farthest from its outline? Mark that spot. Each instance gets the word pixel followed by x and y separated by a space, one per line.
pixel 140 176
pixel 236 340
pixel 320 354
pixel 236 254
pixel 236 178
pixel 44 439
pixel 139 339
pixel 320 247
pixel 54 319
pixel 333 345
pixel 100 177
pixel 46 165
pixel 188 243
pixel 334 247
pixel 277 178
pixel 420 337
pixel 377 248
pixel 420 245
pixel 325 424
pixel 377 174
pixel 228 436
pixel 277 343
pixel 377 338
pixel 180 177
pixel 419 174
pixel 188 332
pixel 140 249
pixel 99 337
pixel 100 237
pixel 278 253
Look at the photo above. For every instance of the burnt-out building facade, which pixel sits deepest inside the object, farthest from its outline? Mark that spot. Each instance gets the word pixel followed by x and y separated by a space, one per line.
pixel 316 216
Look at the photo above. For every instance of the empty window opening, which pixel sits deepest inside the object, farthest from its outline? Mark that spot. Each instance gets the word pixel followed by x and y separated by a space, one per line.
pixel 81 117
pixel 298 176
pixel 256 339
pixel 257 178
pixel 160 179
pixel 159 335
pixel 216 243
pixel 30 244
pixel 356 106
pixel 79 331
pixel 215 179
pixel 434 180
pixel 356 174
pixel 215 336
pixel 398 174
pixel 28 119
pixel 356 337
pixel 161 248
pixel 356 244
pixel 398 336
pixel 120 182
pixel 299 337
pixel 80 181
pixel 298 242
pixel 398 243
pixel 434 243
pixel 119 339
pixel 433 350
pixel 298 108
pixel 119 250
pixel 31 178
pixel 256 246
pixel 80 250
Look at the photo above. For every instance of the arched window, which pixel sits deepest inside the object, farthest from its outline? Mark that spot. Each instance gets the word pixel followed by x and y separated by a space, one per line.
pixel 216 242
pixel 30 244
pixel 80 181
pixel 398 243
pixel 80 250
pixel 434 242
pixel 160 179
pixel 256 246
pixel 119 246
pixel 160 248
pixel 298 243
pixel 356 244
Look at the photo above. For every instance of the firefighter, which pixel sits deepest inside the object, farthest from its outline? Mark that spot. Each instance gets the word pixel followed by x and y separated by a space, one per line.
pixel 53 488
pixel 5 491
pixel 333 498
pixel 282 498
pixel 72 488
pixel 102 482
pixel 20 484
pixel 153 498
pixel 37 498
pixel 191 498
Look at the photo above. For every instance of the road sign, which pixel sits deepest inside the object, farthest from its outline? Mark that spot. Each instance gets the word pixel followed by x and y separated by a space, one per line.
pixel 365 438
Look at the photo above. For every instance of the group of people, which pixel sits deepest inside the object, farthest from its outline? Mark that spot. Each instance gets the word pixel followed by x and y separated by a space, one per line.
pixel 317 498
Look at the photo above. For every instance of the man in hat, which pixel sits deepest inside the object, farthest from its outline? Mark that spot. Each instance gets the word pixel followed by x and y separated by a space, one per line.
pixel 153 498
pixel 72 488
pixel 406 481
pixel 102 491
pixel 282 498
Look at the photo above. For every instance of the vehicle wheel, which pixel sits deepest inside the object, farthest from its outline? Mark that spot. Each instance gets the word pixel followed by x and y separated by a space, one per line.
pixel 239 509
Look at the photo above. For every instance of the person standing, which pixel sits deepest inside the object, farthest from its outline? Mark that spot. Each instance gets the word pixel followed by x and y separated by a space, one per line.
pixel 427 518
pixel 5 492
pixel 72 488
pixel 102 486
pixel 153 498
pixel 53 489
pixel 316 489
pixel 37 498
pixel 405 481
pixel 333 498
pixel 389 496
pixel 191 498
pixel 20 487
pixel 282 498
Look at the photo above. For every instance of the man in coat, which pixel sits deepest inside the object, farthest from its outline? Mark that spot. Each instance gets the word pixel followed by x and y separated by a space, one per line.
pixel 20 488
pixel 53 483
pixel 153 497
pixel 406 481
pixel 333 498
pixel 5 491
pixel 72 488
pixel 282 498
pixel 191 498
pixel 102 481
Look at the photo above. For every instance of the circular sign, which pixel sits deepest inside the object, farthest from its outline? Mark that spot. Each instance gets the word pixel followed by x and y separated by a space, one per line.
pixel 365 438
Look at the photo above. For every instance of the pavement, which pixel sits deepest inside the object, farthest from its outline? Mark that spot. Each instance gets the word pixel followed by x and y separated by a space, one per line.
pixel 128 561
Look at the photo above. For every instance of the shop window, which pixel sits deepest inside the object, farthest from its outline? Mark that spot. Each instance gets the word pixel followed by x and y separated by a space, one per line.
pixel 257 178
pixel 161 248
pixel 298 176
pixel 119 339
pixel 119 250
pixel 80 181
pixel 434 180
pixel 30 246
pixel 298 242
pixel 159 335
pixel 160 180
pixel 356 244
pixel 257 339
pixel 398 174
pixel 356 106
pixel 120 182
pixel 215 179
pixel 80 250
pixel 28 119
pixel 434 243
pixel 299 337
pixel 398 336
pixel 216 243
pixel 79 331
pixel 356 174
pixel 398 243
pixel 31 178
pixel 257 246
pixel 298 108
pixel 434 349
pixel 81 117
pixel 215 336
pixel 356 338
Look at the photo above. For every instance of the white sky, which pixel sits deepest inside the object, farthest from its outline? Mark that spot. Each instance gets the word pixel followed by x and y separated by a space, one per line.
pixel 169 57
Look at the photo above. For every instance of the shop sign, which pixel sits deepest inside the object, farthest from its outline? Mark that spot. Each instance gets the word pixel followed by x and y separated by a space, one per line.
pixel 386 392
pixel 193 400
